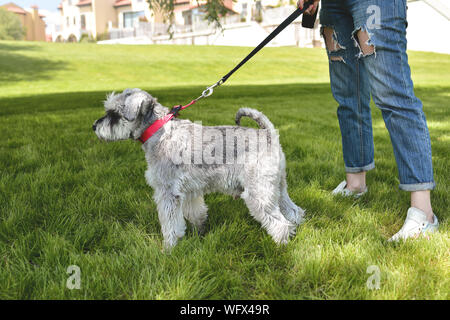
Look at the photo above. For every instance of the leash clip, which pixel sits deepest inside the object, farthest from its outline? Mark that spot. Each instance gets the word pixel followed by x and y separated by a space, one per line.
pixel 210 90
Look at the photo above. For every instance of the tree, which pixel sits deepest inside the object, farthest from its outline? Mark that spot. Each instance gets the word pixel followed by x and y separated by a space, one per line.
pixel 10 26
pixel 214 9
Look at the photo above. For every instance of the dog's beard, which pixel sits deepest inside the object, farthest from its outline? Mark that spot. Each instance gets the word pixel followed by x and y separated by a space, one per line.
pixel 113 130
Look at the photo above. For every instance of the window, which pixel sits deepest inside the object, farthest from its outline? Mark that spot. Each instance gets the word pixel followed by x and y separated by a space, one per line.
pixel 244 11
pixel 187 15
pixel 83 22
pixel 132 18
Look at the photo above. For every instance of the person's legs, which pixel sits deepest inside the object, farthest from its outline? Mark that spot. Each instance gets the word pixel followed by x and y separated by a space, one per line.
pixel 380 35
pixel 350 88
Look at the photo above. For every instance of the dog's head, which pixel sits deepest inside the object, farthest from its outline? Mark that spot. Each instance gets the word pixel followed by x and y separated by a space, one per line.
pixel 127 114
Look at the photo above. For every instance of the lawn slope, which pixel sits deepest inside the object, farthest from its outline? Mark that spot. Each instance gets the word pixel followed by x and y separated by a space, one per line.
pixel 68 199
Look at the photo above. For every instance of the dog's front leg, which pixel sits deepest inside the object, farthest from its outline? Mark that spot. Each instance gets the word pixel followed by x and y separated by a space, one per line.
pixel 171 218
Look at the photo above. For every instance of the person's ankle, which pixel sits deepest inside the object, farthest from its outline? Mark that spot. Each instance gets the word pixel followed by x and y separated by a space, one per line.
pixel 421 200
pixel 356 187
pixel 356 182
pixel 428 212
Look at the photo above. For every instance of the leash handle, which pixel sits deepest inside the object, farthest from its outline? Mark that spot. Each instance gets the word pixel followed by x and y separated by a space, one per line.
pixel 308 21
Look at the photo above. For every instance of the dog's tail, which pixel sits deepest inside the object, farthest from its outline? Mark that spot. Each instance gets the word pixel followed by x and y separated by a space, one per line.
pixel 259 117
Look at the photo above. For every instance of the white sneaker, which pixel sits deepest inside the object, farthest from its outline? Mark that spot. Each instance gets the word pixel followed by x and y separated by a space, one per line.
pixel 416 224
pixel 343 191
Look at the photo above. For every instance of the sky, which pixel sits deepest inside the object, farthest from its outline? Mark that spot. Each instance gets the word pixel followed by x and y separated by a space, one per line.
pixel 50 5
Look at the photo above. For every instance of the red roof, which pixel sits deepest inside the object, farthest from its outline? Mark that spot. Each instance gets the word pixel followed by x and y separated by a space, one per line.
pixel 60 6
pixel 120 3
pixel 84 3
pixel 13 8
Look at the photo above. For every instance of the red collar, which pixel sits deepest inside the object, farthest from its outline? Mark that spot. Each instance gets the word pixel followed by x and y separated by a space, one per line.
pixel 155 126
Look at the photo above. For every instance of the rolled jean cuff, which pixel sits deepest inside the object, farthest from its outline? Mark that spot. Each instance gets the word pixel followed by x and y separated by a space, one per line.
pixel 360 169
pixel 418 186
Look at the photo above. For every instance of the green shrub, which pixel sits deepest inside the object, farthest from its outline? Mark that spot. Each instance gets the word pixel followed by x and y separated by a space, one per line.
pixel 86 38
pixel 10 26
pixel 102 36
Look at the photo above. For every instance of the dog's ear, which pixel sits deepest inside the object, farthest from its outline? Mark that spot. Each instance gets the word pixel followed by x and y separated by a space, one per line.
pixel 134 104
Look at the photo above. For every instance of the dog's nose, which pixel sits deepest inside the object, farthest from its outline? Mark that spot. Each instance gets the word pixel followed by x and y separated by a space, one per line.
pixel 94 126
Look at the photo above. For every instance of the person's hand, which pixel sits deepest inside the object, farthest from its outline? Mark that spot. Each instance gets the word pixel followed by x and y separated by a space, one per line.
pixel 312 9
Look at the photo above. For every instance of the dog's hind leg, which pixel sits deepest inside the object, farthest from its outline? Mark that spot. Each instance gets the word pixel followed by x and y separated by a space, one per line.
pixel 170 216
pixel 264 207
pixel 195 211
pixel 288 208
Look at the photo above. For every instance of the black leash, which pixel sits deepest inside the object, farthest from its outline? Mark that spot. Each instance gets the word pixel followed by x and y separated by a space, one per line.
pixel 273 34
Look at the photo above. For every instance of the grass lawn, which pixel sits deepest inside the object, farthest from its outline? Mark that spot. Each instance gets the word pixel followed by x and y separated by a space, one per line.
pixel 68 199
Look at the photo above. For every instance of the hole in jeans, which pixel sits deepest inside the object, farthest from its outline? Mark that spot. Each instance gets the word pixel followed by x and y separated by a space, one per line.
pixel 332 44
pixel 337 58
pixel 363 42
pixel 330 37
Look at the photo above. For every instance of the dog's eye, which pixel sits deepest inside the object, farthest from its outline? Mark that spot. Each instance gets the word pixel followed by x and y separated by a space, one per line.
pixel 114 117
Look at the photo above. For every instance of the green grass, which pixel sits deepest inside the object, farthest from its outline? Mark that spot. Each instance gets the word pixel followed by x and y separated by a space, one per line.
pixel 67 199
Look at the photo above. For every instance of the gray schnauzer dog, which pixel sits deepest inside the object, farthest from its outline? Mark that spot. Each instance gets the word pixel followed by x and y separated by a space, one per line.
pixel 187 160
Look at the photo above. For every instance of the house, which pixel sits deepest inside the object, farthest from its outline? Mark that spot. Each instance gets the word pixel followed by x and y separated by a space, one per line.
pixel 94 18
pixel 32 21
pixel 80 17
pixel 244 23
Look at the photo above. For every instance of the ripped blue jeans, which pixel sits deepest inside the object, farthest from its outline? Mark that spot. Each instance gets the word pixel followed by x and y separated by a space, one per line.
pixel 366 45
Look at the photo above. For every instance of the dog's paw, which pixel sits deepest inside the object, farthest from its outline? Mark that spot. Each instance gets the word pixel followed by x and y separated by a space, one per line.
pixel 295 215
pixel 282 231
pixel 200 230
